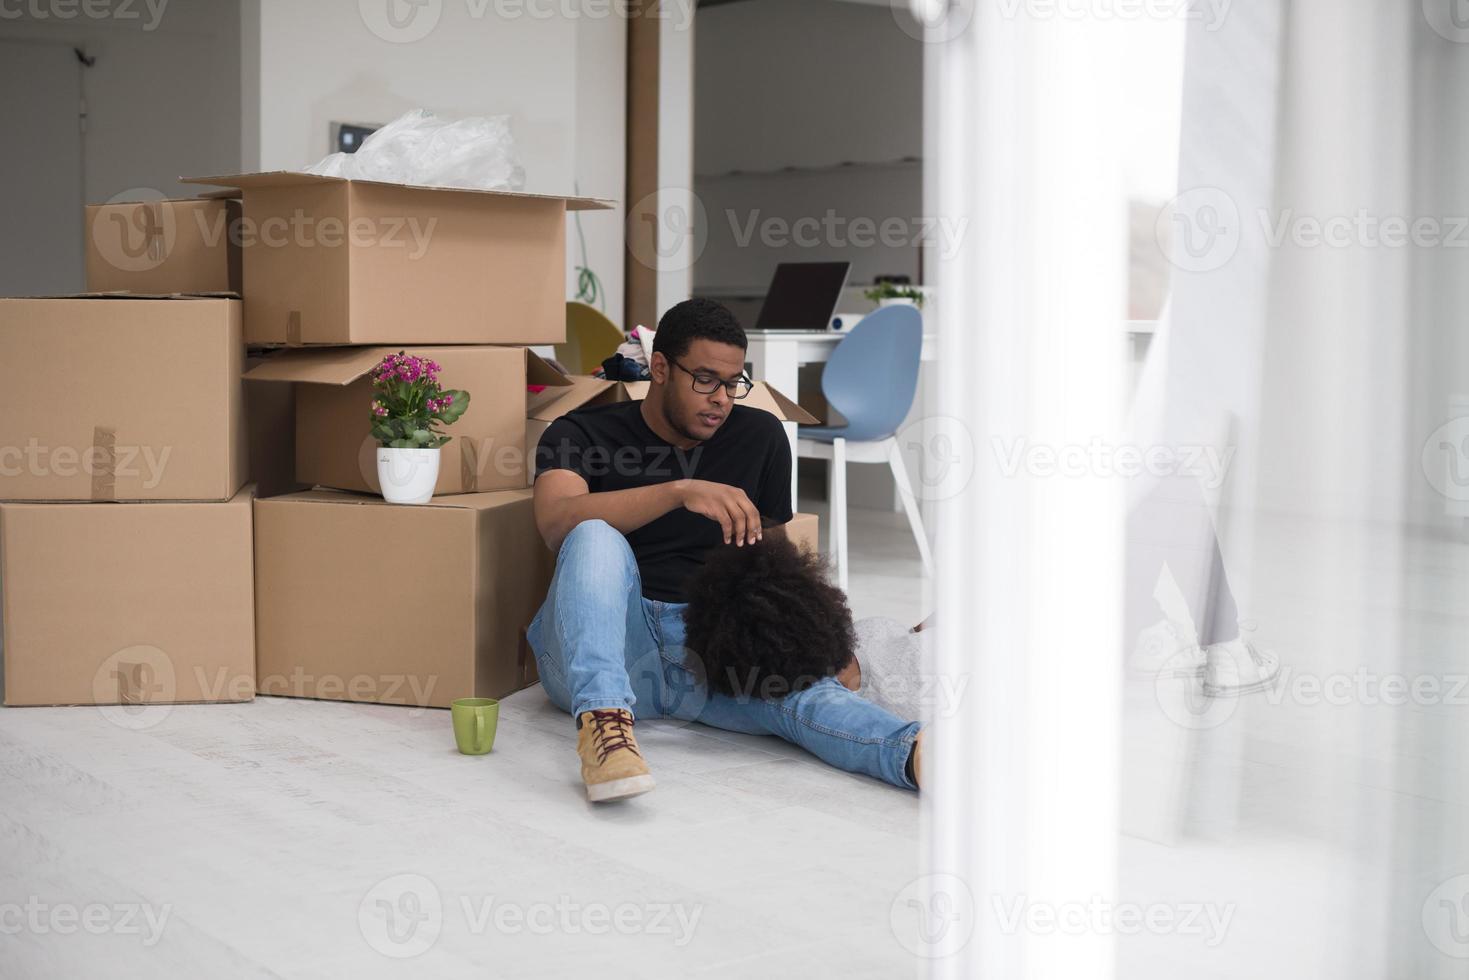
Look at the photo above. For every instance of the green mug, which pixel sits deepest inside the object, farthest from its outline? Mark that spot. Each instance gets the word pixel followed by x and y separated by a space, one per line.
pixel 474 724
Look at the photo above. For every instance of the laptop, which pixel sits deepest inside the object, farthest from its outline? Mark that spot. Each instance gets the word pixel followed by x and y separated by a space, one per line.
pixel 803 296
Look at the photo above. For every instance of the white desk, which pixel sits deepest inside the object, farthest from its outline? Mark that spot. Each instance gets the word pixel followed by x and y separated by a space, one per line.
pixel 776 356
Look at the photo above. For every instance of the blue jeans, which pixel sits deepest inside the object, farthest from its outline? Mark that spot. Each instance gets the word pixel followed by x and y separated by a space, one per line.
pixel 600 644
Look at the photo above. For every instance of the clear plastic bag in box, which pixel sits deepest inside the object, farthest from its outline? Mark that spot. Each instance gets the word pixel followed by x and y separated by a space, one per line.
pixel 421 148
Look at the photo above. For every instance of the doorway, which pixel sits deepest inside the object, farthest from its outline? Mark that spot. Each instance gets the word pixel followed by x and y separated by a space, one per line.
pixel 46 255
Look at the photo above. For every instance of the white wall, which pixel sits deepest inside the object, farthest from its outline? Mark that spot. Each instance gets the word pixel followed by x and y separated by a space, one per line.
pixel 757 221
pixel 561 80
pixel 162 99
pixel 804 84
pixel 676 120
pixel 600 135
pixel 810 85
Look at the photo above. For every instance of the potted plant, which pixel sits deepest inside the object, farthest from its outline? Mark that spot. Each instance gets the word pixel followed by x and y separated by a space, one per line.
pixel 407 406
pixel 895 294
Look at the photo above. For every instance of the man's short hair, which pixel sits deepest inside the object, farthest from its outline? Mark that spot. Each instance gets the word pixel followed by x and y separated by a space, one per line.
pixel 696 319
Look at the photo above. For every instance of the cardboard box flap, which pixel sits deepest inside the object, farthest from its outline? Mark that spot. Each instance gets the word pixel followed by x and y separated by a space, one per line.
pixel 453 501
pixel 552 403
pixel 123 294
pixel 269 178
pixel 789 410
pixel 572 203
pixel 762 396
pixel 539 372
pixel 320 365
pixel 344 365
pixel 289 178
pixel 222 193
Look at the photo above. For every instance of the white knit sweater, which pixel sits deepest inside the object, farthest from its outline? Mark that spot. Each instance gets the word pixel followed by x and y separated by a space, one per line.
pixel 891 657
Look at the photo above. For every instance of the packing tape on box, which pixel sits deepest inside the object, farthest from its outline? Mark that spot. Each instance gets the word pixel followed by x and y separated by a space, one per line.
pixel 133 681
pixel 104 463
pixel 468 465
pixel 293 329
pixel 156 245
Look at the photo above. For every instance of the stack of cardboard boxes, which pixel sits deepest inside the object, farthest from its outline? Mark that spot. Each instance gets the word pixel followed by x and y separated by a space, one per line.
pixel 128 574
pixel 129 580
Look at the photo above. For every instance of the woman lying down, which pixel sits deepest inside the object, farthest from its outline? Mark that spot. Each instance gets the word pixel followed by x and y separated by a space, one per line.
pixel 764 623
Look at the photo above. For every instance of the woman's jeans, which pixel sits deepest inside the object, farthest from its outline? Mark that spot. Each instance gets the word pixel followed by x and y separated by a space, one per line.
pixel 600 644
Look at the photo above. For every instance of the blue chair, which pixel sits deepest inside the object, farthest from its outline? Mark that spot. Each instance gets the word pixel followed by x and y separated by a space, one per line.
pixel 870 379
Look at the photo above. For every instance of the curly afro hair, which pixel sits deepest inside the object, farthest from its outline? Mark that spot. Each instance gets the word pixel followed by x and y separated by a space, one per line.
pixel 765 621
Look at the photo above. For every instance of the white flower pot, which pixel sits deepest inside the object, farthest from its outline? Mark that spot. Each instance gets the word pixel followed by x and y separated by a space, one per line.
pixel 407 476
pixel 896 301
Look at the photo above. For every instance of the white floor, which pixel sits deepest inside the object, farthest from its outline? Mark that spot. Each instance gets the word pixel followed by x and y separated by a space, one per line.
pixel 293 838
pixel 298 838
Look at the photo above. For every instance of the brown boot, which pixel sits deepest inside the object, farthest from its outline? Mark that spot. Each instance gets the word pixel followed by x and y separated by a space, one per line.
pixel 918 760
pixel 611 765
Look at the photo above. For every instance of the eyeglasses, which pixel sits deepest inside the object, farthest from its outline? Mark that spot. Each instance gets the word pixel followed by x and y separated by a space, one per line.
pixel 708 384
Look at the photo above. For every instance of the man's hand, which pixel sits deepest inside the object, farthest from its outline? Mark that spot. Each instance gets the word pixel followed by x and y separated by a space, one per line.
pixel 728 505
pixel 563 501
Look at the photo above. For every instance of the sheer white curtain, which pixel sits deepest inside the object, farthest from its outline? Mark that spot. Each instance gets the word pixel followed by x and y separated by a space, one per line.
pixel 1355 568
pixel 1319 341
pixel 1024 114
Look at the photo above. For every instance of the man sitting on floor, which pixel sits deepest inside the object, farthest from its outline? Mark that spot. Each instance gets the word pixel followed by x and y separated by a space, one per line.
pixel 632 497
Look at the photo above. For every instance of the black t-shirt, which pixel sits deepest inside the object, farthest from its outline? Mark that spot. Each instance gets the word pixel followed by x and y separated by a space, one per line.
pixel 612 448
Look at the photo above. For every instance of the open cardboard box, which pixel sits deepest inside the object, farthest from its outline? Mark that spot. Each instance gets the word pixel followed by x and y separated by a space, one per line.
pixel 270 427
pixel 189 245
pixel 334 261
pixel 545 407
pixel 128 603
pixel 122 397
pixel 361 600
pixel 334 443
pixel 802 529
